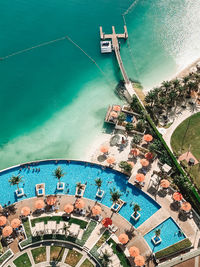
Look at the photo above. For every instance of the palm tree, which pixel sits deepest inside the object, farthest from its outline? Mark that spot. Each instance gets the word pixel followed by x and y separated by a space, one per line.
pixel 80 187
pixel 15 180
pixel 136 208
pixel 98 183
pixel 115 195
pixel 157 233
pixel 58 173
pixel 105 258
pixel 121 117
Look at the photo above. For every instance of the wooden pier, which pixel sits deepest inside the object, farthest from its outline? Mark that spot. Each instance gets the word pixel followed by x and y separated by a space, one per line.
pixel 115 45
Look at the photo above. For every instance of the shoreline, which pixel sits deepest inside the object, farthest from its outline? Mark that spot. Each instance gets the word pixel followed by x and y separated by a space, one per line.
pixel 185 71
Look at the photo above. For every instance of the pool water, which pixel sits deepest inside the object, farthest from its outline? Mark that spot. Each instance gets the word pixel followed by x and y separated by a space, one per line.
pixel 76 171
pixel 129 118
pixel 170 234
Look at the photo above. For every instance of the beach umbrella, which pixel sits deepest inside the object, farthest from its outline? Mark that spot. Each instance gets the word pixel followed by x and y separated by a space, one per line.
pixel 106 222
pixel 177 196
pixel 113 114
pixel 135 152
pixel 104 149
pixel 7 230
pixel 39 204
pixel 96 210
pixel 68 208
pixel 123 238
pixel 131 163
pixel 186 206
pixel 15 223
pixel 51 200
pixel 25 211
pixel 148 137
pixel 139 260
pixel 134 251
pixel 110 160
pixel 116 108
pixel 140 177
pixel 80 204
pixel 2 220
pixel 164 183
pixel 149 155
pixel 144 162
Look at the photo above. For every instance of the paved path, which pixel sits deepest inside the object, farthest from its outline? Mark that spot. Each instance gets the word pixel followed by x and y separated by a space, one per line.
pixel 97 232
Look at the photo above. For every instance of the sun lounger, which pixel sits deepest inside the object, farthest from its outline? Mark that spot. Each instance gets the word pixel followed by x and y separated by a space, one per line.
pixel 113 228
pixel 83 212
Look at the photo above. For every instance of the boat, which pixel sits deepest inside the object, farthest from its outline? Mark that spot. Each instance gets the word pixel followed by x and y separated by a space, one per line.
pixel 106 46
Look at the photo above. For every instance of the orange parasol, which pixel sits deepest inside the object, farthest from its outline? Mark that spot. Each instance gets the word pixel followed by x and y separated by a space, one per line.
pixel 96 210
pixel 113 114
pixel 80 204
pixel 116 108
pixel 177 196
pixel 139 260
pixel 148 137
pixel 131 163
pixel 104 149
pixel 135 152
pixel 15 223
pixel 2 220
pixel 39 204
pixel 25 211
pixel 134 251
pixel 144 162
pixel 123 238
pixel 51 200
pixel 106 222
pixel 110 160
pixel 140 177
pixel 68 208
pixel 164 183
pixel 7 230
pixel 186 206
pixel 148 155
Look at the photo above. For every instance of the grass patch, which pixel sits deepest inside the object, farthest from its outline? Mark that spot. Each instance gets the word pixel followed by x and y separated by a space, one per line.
pixel 27 228
pixel 87 233
pixel 39 254
pixel 184 244
pixel 87 263
pixel 99 243
pixel 73 257
pixel 120 254
pixel 4 256
pixel 56 253
pixel 82 223
pixel 23 260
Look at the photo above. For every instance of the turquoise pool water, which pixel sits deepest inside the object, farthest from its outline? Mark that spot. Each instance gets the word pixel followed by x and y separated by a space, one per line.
pixel 170 234
pixel 78 172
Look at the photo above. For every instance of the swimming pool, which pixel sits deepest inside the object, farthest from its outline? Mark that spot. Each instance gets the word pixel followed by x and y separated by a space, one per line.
pixel 170 234
pixel 129 118
pixel 77 171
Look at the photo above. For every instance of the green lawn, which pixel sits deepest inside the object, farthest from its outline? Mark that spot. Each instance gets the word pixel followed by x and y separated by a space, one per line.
pixel 87 263
pixel 39 254
pixel 183 138
pixel 27 228
pixel 22 260
pixel 73 257
pixel 56 253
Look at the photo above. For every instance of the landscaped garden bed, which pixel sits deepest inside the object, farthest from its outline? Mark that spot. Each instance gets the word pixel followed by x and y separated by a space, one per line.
pixel 178 247
pixel 73 257
pixel 86 233
pixel 6 256
pixel 56 253
pixel 99 243
pixel 87 263
pixel 39 254
pixel 119 252
pixel 27 227
pixel 23 260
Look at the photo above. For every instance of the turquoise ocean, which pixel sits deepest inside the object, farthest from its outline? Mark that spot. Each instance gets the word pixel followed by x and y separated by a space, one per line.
pixel 53 99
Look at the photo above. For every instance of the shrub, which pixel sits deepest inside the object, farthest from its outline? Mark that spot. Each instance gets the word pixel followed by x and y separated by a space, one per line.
pixel 184 244
pixel 136 139
pixel 129 127
pixel 122 117
pixel 125 166
pixel 140 126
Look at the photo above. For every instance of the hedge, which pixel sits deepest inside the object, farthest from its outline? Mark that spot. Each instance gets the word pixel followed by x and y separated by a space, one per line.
pixel 195 198
pixel 5 256
pixel 184 244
